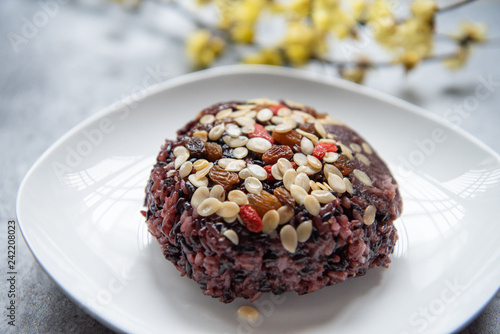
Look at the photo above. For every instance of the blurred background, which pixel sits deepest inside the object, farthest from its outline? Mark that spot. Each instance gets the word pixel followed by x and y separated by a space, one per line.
pixel 64 60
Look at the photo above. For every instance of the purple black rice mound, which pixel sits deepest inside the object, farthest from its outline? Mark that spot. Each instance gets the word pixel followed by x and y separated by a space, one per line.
pixel 270 196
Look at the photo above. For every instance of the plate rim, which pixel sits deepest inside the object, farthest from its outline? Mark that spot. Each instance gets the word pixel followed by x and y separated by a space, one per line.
pixel 232 70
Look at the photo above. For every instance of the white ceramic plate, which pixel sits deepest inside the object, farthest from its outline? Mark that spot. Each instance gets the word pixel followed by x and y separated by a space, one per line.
pixel 78 209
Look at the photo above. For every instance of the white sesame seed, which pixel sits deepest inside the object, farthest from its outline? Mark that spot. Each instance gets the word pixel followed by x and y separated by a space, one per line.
pixel 232 236
pixel 275 172
pixel 288 237
pixel 286 213
pixel 180 150
pixel 170 173
pixel 300 159
pixel 270 128
pixel 347 151
pixel 289 178
pixel 264 115
pixel 331 169
pixel 207 119
pixel 302 180
pixel 224 162
pixel 355 147
pixel 259 145
pixel 270 221
pixel 251 114
pixel 301 169
pixel 242 121
pixel 298 193
pixel 208 207
pixel 253 185
pixel 238 197
pixel 228 209
pixel 294 104
pixel 203 182
pixel 365 179
pixel 336 183
pixel 225 113
pixel 284 165
pixel 240 113
pixel 304 231
pixel 331 157
pixel 313 185
pixel 321 186
pixel 235 165
pixel 240 152
pixel 233 130
pixel 314 162
pixel 297 117
pixel 284 127
pixel 323 196
pixel 180 160
pixel 327 186
pixel 218 192
pixel 348 185
pixel 369 215
pixel 312 137
pixel 235 142
pixel 201 134
pixel 312 205
pixel 230 220
pixel 216 132
pixel 244 173
pixel 257 172
pixel 203 172
pixel 199 196
pixel 277 119
pixel 200 164
pixel 306 146
pixel 185 169
pixel 284 112
pixel 247 129
pixel 367 148
pixel 320 129
pixel 311 171
pixel 363 158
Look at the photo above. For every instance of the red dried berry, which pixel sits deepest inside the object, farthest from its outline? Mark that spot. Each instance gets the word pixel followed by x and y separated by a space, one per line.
pixel 250 218
pixel 270 176
pixel 261 133
pixel 275 109
pixel 322 148
pixel 294 165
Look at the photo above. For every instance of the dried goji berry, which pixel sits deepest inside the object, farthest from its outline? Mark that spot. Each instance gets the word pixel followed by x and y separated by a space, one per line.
pixel 250 218
pixel 322 148
pixel 270 176
pixel 261 133
pixel 275 109
pixel 294 165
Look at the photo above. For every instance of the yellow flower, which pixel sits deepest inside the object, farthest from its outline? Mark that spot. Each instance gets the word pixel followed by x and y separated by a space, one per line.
pixel 203 48
pixel 409 60
pixel 359 10
pixel 301 8
pixel 424 9
pixel 458 60
pixel 470 32
pixel 242 32
pixel 299 43
pixel 264 56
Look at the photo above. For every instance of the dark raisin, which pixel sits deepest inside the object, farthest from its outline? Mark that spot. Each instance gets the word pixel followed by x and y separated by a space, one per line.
pixel 196 147
pixel 224 178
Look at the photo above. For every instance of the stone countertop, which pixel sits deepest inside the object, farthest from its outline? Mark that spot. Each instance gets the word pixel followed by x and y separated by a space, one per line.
pixel 81 56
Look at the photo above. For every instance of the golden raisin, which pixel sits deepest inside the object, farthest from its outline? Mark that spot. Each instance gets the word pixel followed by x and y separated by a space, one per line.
pixel 291 138
pixel 276 152
pixel 344 165
pixel 214 151
pixel 284 196
pixel 224 178
pixel 263 202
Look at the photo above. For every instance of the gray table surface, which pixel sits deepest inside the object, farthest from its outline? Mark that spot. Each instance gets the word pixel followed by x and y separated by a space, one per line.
pixel 83 55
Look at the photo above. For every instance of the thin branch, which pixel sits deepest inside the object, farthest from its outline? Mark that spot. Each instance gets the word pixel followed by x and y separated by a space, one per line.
pixel 454 6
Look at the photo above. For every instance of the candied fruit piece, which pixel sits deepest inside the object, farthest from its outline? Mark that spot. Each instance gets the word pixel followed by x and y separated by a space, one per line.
pixel 263 202
pixel 261 132
pixel 344 165
pixel 196 147
pixel 276 152
pixel 284 196
pixel 224 178
pixel 250 218
pixel 322 148
pixel 291 138
pixel 214 151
